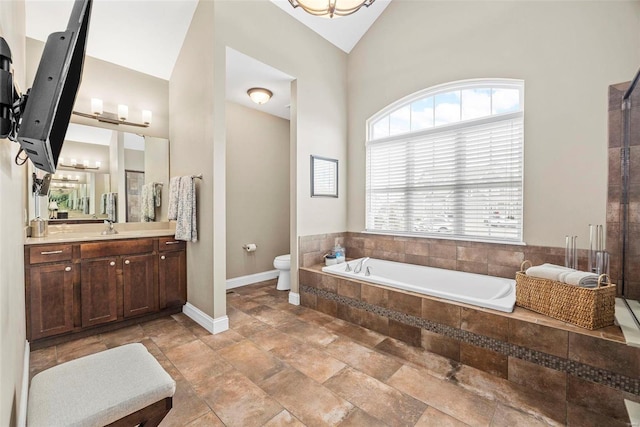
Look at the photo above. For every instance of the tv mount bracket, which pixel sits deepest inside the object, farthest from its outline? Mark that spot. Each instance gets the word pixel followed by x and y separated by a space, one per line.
pixel 12 103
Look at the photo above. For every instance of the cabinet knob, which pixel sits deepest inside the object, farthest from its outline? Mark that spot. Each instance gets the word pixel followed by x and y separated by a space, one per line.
pixel 112 263
pixel 162 257
pixel 127 262
pixel 67 269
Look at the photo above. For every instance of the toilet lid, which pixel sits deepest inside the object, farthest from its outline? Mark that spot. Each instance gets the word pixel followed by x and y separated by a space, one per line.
pixel 286 257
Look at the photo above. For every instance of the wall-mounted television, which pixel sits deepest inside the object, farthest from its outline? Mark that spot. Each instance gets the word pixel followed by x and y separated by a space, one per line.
pixel 49 103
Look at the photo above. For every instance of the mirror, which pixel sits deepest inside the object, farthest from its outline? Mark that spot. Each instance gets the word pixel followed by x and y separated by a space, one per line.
pixel 324 177
pixel 101 174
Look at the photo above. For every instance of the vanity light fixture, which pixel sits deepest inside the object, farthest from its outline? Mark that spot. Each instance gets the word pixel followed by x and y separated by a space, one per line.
pixel 330 8
pixel 75 165
pixel 121 118
pixel 63 178
pixel 259 95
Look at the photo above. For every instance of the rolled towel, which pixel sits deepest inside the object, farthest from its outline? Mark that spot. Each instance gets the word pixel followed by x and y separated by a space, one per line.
pixel 583 279
pixel 550 272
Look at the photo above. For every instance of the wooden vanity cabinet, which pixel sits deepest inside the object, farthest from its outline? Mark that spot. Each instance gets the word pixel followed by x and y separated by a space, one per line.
pixel 139 286
pixel 50 290
pixel 101 285
pixel 172 272
pixel 99 291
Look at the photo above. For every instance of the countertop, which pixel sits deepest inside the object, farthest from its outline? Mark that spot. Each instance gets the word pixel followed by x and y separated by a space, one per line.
pixel 92 232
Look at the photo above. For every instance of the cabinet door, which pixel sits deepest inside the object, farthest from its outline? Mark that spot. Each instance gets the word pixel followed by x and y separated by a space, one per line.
pixel 172 271
pixel 140 292
pixel 99 291
pixel 51 300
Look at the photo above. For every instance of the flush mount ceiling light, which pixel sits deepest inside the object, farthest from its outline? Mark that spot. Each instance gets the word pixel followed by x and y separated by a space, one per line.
pixel 100 115
pixel 259 95
pixel 330 8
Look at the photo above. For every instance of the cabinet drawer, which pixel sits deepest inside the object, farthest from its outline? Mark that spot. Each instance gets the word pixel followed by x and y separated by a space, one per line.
pixel 170 244
pixel 49 253
pixel 115 248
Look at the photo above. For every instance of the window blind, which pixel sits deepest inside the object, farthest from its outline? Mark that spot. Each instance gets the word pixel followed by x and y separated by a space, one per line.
pixel 461 181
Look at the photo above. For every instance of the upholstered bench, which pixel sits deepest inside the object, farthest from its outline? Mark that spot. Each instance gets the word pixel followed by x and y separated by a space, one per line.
pixel 122 386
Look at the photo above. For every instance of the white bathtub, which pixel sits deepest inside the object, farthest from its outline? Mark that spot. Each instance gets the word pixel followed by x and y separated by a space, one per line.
pixel 485 291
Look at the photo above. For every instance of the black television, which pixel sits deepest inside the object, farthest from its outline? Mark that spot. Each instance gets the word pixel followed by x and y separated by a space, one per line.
pixel 49 103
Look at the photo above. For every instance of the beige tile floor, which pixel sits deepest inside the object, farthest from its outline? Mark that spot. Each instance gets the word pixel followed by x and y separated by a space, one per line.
pixel 283 365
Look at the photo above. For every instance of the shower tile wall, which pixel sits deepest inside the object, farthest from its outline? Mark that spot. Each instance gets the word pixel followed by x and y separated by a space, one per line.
pixel 614 197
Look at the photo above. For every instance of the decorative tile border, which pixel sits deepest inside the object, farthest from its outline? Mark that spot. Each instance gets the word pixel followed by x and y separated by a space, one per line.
pixel 577 369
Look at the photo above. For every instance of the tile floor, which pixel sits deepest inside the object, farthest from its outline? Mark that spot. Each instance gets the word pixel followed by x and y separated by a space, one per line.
pixel 284 365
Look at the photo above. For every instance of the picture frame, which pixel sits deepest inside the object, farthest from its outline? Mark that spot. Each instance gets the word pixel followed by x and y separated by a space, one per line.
pixel 324 177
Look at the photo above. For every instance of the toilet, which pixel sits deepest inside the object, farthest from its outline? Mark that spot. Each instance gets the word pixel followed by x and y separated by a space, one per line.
pixel 283 263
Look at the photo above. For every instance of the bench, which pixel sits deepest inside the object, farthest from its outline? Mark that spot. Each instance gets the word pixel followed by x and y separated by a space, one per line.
pixel 123 386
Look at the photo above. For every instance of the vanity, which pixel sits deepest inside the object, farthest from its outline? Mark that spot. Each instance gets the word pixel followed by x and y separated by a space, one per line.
pixel 84 283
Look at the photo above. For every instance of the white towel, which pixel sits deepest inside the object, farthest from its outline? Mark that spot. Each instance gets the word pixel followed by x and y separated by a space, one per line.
pixel 147 203
pixel 174 190
pixel 583 279
pixel 186 222
pixel 550 272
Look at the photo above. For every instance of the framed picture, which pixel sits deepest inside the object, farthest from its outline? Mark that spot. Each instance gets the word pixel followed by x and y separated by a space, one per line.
pixel 324 177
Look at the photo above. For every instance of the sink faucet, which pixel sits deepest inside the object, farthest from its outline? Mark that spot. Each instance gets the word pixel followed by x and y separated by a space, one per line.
pixel 360 264
pixel 109 228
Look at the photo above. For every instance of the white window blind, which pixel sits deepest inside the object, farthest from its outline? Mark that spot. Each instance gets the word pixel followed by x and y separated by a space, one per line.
pixel 460 181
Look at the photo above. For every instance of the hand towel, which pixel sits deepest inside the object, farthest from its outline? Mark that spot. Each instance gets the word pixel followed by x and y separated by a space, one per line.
pixel 583 279
pixel 157 193
pixel 112 207
pixel 186 222
pixel 550 272
pixel 174 190
pixel 147 203
pixel 103 203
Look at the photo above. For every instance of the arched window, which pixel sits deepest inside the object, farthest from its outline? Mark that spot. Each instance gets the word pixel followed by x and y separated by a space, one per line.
pixel 448 162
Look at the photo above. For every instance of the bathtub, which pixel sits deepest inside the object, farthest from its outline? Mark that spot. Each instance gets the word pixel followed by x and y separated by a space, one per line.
pixel 492 292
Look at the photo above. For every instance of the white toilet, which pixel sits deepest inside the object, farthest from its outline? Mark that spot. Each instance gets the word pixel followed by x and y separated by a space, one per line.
pixel 283 263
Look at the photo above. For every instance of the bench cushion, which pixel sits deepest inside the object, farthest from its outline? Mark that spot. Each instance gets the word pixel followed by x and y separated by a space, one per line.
pixel 98 389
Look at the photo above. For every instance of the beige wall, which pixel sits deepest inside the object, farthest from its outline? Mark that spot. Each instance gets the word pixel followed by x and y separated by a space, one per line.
pixel 12 188
pixel 114 85
pixel 568 53
pixel 198 124
pixel 257 189
pixel 191 125
pixel 134 160
pixel 319 100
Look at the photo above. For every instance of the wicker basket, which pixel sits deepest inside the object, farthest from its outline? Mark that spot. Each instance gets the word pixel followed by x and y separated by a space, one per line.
pixel 590 308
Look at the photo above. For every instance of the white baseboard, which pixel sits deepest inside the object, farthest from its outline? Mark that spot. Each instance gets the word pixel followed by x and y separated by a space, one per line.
pixel 294 298
pixel 220 324
pixel 214 326
pixel 251 278
pixel 24 395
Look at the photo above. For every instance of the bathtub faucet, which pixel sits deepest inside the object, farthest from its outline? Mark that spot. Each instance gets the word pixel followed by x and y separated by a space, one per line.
pixel 368 271
pixel 359 266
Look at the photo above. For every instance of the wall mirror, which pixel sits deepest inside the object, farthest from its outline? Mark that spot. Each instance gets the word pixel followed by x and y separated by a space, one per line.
pixel 93 164
pixel 324 177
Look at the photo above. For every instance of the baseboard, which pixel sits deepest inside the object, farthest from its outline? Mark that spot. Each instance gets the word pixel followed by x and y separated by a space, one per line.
pixel 294 298
pixel 214 326
pixel 24 395
pixel 251 278
pixel 220 324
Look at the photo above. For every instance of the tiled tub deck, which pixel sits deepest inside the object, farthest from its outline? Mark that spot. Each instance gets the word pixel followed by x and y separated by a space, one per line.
pixel 592 369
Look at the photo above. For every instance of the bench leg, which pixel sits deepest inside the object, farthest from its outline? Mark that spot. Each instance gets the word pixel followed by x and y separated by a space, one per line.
pixel 149 416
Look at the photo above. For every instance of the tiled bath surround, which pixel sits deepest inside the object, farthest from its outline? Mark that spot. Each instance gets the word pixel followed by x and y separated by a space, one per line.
pixel 590 369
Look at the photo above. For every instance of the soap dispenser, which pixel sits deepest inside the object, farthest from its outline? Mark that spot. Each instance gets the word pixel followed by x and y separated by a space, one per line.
pixel 339 252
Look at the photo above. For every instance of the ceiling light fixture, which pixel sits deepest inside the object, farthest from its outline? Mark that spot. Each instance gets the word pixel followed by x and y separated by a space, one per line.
pixel 98 113
pixel 259 95
pixel 330 8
